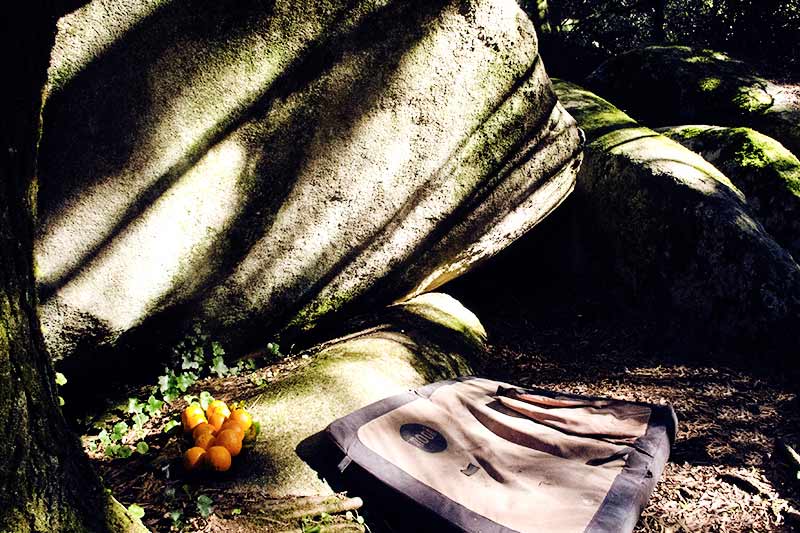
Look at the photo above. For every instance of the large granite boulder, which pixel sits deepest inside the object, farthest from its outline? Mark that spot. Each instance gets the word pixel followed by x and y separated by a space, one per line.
pixel 266 165
pixel 668 85
pixel 766 172
pixel 678 235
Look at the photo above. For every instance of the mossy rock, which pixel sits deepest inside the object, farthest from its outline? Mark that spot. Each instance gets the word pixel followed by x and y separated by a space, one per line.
pixel 766 172
pixel 266 166
pixel 429 338
pixel 678 235
pixel 667 85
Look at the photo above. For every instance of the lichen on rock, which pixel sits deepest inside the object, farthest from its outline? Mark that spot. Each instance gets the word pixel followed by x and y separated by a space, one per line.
pixel 765 171
pixel 668 85
pixel 679 236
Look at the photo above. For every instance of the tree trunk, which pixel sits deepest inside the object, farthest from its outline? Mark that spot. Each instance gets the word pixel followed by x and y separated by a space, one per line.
pixel 46 482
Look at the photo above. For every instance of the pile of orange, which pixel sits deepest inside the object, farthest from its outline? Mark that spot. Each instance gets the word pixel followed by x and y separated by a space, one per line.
pixel 218 434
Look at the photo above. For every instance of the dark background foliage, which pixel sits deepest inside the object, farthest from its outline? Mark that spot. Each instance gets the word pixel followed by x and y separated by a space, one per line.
pixel 576 35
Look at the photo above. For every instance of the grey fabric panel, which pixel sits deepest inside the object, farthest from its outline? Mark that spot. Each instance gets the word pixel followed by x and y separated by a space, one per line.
pixel 620 511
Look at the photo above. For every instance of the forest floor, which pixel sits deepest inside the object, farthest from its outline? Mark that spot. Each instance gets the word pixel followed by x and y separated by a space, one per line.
pixel 724 473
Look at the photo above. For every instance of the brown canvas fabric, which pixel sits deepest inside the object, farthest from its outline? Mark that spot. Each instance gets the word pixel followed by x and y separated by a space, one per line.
pixel 619 421
pixel 527 462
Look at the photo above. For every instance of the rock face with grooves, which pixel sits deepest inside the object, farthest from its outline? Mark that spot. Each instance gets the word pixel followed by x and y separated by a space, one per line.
pixel 668 85
pixel 679 235
pixel 265 165
pixel 766 172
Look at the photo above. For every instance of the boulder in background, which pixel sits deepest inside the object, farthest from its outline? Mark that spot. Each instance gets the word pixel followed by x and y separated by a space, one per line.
pixel 668 85
pixel 766 172
pixel 678 235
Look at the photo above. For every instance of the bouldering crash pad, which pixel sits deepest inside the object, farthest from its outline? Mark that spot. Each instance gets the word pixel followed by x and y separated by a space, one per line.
pixel 485 456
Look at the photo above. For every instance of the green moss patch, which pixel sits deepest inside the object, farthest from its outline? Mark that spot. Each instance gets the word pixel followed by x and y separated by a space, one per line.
pixel 345 375
pixel 767 173
pixel 665 85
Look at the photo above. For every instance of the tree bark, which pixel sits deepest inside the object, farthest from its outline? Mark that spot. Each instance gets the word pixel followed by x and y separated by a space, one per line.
pixel 46 482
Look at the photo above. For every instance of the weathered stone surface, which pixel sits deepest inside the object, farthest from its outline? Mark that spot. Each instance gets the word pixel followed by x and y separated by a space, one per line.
pixel 667 85
pixel 679 235
pixel 429 338
pixel 767 173
pixel 264 165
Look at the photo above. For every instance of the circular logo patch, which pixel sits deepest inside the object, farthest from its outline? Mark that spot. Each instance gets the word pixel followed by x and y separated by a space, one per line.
pixel 423 437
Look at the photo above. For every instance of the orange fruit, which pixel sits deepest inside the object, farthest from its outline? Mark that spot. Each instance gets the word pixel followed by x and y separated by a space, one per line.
pixel 243 417
pixel 230 440
pixel 193 458
pixel 216 420
pixel 202 427
pixel 233 425
pixel 218 458
pixel 218 406
pixel 192 416
pixel 204 440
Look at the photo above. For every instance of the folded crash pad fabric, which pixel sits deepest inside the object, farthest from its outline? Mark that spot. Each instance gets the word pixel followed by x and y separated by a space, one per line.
pixel 486 456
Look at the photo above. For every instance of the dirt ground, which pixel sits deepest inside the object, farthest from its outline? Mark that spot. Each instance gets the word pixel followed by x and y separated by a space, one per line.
pixel 725 473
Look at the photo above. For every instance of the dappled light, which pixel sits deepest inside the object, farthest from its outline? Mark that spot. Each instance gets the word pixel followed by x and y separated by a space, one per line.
pixel 183 225
pixel 359 159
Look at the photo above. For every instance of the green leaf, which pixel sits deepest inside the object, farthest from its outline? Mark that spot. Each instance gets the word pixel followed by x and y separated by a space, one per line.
pixel 176 517
pixel 164 382
pixel 136 511
pixel 124 452
pixel 185 380
pixel 134 406
pixel 142 447
pixel 236 512
pixel 170 397
pixel 216 349
pixel 61 401
pixel 219 367
pixel 104 438
pixel 189 361
pixel 199 354
pixel 205 505
pixel 92 445
pixel 61 379
pixel 139 420
pixel 119 431
pixel 119 451
pixel 170 425
pixel 153 405
pixel 205 399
